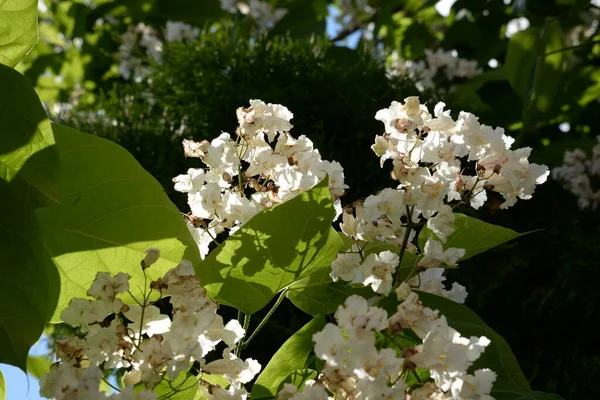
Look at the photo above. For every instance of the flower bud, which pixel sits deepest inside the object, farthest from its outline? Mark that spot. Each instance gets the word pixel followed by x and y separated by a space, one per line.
pixel 152 256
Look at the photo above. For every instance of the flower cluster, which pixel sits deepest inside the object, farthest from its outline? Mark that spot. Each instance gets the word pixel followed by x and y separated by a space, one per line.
pixel 148 343
pixel 577 173
pixel 425 72
pixel 263 166
pixel 430 156
pixel 142 43
pixel 261 12
pixel 355 368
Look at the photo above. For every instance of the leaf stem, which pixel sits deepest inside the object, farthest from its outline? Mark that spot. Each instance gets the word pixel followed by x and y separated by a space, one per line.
pixel 409 227
pixel 266 318
pixel 240 346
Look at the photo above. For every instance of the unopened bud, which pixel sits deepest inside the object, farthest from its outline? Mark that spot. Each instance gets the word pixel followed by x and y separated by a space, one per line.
pixel 152 256
pixel 403 291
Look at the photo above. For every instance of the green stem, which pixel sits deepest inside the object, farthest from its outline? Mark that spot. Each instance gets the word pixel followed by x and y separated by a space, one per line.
pixel 113 387
pixel 143 309
pixel 409 226
pixel 571 47
pixel 238 349
pixel 265 319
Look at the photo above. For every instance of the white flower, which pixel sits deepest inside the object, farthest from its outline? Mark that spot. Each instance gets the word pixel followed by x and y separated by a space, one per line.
pixel 447 354
pixel 346 266
pixel 356 317
pixel 82 312
pixel 431 281
pixel 105 287
pixel 476 386
pixel 412 314
pixel 434 255
pixel 389 203
pixel 233 368
pixel 103 345
pixel 377 270
pixel 442 223
pixel 261 118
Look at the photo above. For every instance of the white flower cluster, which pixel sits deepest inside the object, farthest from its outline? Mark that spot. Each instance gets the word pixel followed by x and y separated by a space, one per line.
pixel 423 72
pixel 427 154
pixel 577 173
pixel 262 167
pixel 262 12
pixel 142 43
pixel 356 369
pixel 149 345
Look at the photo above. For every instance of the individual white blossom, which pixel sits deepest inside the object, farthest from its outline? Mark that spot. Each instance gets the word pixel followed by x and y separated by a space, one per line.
pixel 434 255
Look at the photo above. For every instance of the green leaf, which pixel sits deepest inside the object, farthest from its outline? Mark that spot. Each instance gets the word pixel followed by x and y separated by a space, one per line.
pixel 497 356
pixel 38 366
pixel 300 376
pixel 473 235
pixel 18 29
pixel 26 139
pixel 2 387
pixel 532 72
pixel 111 211
pixel 277 247
pixel 291 357
pixel 186 385
pixel 319 295
pixel 29 285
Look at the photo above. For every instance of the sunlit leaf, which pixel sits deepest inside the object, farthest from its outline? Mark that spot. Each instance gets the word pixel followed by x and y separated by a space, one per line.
pixel 111 211
pixel 276 248
pixel 18 29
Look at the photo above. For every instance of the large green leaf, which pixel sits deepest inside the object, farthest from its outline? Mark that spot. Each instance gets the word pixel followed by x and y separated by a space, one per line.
pixel 277 247
pixel 186 385
pixel 111 211
pixel 29 285
pixel 290 358
pixel 534 75
pixel 473 235
pixel 26 139
pixel 18 29
pixel 497 356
